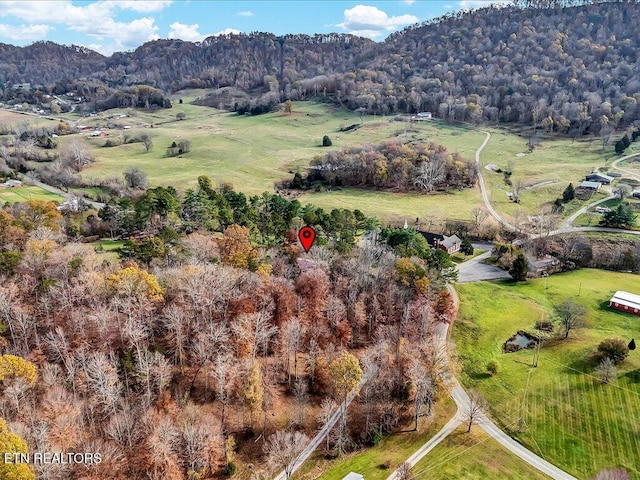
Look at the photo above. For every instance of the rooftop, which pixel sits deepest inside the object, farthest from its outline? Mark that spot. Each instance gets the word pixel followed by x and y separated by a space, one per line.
pixel 353 476
pixel 626 298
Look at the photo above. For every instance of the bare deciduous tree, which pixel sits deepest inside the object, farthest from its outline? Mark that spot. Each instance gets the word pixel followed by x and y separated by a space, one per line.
pixel 570 315
pixel 146 140
pixel 422 383
pixel 606 370
pixel 478 216
pixel 473 410
pixel 429 174
pixel 403 472
pixel 283 448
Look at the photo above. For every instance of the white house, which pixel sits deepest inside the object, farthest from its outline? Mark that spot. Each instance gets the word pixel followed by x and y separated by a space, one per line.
pixel 11 184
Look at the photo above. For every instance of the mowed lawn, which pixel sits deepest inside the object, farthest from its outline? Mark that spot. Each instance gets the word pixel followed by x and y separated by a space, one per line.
pixel 27 192
pixel 473 456
pixel 570 417
pixel 395 449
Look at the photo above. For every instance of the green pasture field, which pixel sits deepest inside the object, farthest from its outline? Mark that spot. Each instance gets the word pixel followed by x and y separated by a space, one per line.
pixel 27 192
pixel 255 152
pixel 592 219
pixel 560 161
pixel 570 417
pixel 395 448
pixel 17 118
pixel 473 456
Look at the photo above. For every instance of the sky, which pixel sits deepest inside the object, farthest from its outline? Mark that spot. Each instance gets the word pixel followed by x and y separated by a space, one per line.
pixel 119 25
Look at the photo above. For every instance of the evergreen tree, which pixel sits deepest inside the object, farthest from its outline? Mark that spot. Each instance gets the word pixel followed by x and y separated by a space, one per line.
pixel 520 268
pixel 569 193
pixel 466 248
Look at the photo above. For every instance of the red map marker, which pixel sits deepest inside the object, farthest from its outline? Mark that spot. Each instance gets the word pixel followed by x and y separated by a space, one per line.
pixel 307 235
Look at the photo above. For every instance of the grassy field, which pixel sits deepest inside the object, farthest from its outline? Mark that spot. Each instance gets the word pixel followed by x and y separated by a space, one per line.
pixel 395 449
pixel 473 456
pixel 253 153
pixel 27 192
pixel 570 417
pixel 507 150
pixel 593 219
pixel 15 118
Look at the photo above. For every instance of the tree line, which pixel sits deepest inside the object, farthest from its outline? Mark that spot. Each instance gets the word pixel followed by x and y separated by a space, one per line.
pixel 560 66
pixel 213 333
pixel 401 166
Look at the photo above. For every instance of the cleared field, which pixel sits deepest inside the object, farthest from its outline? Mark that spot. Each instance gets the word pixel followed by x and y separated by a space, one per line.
pixel 396 207
pixel 559 161
pixel 24 193
pixel 570 418
pixel 395 449
pixel 15 119
pixel 473 456
pixel 254 152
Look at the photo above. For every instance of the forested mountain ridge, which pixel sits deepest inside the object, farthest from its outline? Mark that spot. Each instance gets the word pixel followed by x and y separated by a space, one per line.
pixel 571 69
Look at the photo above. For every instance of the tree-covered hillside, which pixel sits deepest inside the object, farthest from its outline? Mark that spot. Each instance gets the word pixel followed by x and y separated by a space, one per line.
pixel 564 66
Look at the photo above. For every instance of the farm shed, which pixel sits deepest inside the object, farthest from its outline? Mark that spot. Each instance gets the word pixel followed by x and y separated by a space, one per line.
pixel 626 302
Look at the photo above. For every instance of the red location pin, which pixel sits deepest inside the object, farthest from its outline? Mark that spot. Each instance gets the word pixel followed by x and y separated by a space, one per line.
pixel 307 235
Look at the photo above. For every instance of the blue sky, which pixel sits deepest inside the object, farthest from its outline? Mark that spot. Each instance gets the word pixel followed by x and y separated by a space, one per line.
pixel 117 25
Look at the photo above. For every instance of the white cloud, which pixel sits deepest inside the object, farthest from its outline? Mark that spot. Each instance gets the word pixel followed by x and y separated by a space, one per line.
pixel 141 6
pixel 227 31
pixel 95 20
pixel 482 3
pixel 245 13
pixel 368 21
pixel 24 32
pixel 409 2
pixel 186 32
pixel 447 7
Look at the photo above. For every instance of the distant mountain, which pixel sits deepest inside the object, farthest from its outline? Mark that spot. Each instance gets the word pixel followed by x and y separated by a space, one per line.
pixel 574 69
pixel 47 62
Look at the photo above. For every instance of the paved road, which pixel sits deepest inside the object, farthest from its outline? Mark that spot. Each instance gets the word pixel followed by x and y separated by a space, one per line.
pixel 476 270
pixel 631 174
pixel 57 191
pixel 568 223
pixel 462 400
pixel 319 438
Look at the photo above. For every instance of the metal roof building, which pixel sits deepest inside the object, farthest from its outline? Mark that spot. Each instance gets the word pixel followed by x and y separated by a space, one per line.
pixel 626 302
pixel 353 476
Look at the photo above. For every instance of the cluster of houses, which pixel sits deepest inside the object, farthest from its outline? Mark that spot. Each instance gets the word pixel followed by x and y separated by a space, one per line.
pixel 594 181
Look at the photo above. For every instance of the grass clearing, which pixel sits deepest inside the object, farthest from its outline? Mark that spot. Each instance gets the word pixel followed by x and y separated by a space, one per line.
pixel 395 448
pixel 255 152
pixel 571 419
pixel 27 192
pixel 473 456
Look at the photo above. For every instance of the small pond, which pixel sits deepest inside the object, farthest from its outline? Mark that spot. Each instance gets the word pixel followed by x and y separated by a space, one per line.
pixel 519 341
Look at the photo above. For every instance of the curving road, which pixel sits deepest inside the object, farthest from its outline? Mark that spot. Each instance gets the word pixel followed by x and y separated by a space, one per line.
pixel 463 401
pixel 57 191
pixel 631 174
pixel 567 226
pixel 483 188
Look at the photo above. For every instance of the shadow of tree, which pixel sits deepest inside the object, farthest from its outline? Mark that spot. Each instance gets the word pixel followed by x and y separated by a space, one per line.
pixel 633 376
